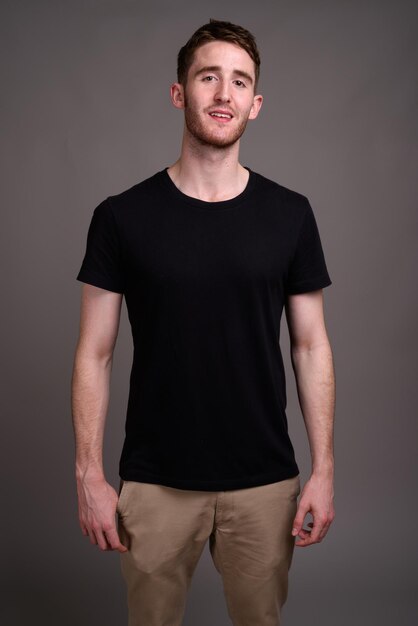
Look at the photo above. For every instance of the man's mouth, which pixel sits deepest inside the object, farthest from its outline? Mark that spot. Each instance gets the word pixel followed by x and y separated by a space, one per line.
pixel 221 115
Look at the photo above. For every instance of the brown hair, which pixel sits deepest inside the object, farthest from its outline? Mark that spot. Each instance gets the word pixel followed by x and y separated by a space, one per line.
pixel 216 30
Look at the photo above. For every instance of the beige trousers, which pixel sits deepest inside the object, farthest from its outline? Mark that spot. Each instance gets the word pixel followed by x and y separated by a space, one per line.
pixel 250 541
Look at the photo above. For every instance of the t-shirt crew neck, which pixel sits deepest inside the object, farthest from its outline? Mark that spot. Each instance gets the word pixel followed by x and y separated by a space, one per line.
pixel 204 204
pixel 205 288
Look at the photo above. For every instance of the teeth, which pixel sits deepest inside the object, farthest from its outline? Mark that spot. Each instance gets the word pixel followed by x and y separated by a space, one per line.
pixel 220 115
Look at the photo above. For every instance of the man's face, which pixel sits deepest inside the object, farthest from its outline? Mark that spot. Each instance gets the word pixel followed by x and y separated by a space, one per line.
pixel 219 95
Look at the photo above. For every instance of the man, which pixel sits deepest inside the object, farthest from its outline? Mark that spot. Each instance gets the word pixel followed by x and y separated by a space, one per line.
pixel 207 253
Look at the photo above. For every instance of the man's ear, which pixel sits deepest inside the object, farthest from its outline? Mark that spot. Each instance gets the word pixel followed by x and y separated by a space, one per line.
pixel 177 95
pixel 257 102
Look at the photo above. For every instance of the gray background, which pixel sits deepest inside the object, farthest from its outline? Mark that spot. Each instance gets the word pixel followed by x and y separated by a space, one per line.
pixel 85 114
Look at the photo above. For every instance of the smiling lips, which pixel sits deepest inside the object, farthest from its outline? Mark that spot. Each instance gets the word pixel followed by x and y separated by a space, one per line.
pixel 221 116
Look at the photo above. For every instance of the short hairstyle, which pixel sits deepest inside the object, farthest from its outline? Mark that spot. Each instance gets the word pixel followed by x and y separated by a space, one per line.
pixel 216 30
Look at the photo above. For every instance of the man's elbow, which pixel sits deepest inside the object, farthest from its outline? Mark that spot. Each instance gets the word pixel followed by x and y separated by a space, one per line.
pixel 94 355
pixel 311 341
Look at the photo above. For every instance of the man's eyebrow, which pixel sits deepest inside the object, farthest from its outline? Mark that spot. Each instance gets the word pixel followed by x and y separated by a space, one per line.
pixel 217 68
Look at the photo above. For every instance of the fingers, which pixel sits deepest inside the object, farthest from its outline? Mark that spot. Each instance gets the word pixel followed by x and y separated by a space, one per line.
pixel 105 539
pixel 84 530
pixel 114 541
pixel 82 524
pixel 101 539
pixel 315 535
pixel 298 521
pixel 318 525
pixel 92 536
pixel 316 501
pixel 324 531
pixel 97 510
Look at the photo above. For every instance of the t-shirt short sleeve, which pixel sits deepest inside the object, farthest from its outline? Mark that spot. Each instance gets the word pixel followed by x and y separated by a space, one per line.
pixel 102 263
pixel 308 270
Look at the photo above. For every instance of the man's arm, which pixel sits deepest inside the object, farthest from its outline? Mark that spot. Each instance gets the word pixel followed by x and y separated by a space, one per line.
pixel 312 363
pixel 97 499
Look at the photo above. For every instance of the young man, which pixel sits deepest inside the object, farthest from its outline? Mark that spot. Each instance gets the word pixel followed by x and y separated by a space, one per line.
pixel 207 253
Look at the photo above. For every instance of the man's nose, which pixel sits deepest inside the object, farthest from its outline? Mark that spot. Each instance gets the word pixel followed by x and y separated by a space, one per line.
pixel 223 92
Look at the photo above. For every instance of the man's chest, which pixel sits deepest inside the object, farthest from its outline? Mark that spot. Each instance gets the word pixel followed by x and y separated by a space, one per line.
pixel 184 249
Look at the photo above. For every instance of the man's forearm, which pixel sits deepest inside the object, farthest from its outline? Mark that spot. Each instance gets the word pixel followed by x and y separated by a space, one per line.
pixel 90 399
pixel 97 499
pixel 315 380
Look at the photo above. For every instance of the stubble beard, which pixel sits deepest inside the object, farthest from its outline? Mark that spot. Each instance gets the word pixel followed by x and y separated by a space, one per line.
pixel 202 132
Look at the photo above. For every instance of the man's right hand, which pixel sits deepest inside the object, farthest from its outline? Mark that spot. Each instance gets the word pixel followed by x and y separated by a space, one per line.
pixel 97 502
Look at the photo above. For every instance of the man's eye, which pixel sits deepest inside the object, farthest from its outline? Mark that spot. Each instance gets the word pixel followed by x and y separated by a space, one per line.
pixel 208 78
pixel 241 84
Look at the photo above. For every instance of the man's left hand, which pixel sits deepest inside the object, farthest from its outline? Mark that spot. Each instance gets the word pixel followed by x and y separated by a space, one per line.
pixel 316 498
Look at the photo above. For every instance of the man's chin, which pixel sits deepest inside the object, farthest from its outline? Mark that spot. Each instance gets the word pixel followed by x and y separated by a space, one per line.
pixel 216 141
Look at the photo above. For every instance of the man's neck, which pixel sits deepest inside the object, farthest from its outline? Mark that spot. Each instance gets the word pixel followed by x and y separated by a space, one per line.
pixel 210 174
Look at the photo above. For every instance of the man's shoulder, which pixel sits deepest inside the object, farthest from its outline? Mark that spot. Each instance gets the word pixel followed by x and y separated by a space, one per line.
pixel 280 191
pixel 143 188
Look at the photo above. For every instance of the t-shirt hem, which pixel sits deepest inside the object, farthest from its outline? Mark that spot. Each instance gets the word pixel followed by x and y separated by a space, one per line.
pixel 211 485
pixel 98 281
pixel 312 285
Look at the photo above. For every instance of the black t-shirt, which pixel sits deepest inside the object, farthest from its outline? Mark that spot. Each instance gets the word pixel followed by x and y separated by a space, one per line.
pixel 205 284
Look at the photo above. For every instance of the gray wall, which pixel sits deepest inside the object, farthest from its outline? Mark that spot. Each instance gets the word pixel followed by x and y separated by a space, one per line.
pixel 86 114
